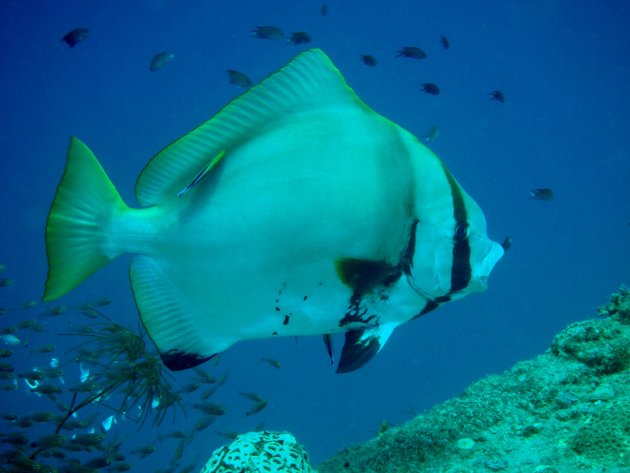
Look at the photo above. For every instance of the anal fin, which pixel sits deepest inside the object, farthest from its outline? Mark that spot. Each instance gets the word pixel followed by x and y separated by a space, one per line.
pixel 361 345
pixel 172 323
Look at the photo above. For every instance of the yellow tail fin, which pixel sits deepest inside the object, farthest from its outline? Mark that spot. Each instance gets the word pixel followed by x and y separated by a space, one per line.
pixel 83 206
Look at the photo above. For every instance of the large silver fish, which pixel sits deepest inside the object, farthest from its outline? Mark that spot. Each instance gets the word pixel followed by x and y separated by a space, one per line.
pixel 295 210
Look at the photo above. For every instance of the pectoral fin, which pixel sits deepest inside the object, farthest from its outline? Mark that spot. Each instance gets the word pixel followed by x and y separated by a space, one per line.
pixel 362 345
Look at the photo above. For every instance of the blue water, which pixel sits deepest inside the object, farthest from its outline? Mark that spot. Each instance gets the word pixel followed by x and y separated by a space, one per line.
pixel 563 66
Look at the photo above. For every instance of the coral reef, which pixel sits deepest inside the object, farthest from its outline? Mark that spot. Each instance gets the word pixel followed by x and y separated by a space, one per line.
pixel 567 410
pixel 254 452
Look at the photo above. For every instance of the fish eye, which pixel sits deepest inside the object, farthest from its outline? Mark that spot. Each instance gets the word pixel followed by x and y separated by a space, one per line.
pixel 461 231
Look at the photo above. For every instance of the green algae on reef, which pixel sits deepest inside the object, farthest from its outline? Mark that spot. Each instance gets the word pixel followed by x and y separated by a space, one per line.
pixel 567 410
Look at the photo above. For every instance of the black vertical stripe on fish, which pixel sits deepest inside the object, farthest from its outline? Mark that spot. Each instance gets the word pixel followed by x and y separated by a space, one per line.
pixel 461 271
pixel 430 306
pixel 406 261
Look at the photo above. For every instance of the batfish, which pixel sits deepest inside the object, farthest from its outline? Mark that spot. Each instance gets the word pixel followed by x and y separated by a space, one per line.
pixel 294 210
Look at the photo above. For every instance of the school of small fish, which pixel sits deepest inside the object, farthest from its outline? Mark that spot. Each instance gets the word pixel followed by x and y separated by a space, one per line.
pixel 63 436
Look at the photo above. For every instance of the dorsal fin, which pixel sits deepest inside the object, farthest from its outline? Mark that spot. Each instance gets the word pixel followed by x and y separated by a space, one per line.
pixel 310 81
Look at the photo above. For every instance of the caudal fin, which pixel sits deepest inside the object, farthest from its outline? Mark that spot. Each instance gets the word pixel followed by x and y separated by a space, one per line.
pixel 84 204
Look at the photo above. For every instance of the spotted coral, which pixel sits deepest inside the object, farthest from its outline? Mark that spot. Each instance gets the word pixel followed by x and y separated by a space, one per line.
pixel 605 437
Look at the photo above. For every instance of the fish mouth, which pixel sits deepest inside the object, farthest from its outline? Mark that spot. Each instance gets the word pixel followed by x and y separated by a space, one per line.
pixel 487 265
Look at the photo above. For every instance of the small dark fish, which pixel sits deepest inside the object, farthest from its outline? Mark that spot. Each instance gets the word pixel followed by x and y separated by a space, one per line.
pixel 324 9
pixel 24 423
pixel 88 440
pixel 231 435
pixel 45 349
pixel 412 52
pixel 221 381
pixel 32 376
pixel 204 423
pixel 179 450
pixel 189 388
pixel 238 78
pixel 497 95
pixel 431 135
pixel 259 406
pixel 98 462
pixel 76 423
pixel 160 60
pixel 300 37
pixel 86 387
pixel 369 60
pixel 28 304
pixel 144 451
pixel 444 41
pixel 177 434
pixel 430 88
pixel 204 376
pixel 252 396
pixel 541 194
pixel 267 32
pixel 272 362
pixel 15 438
pixel 102 302
pixel 47 389
pixel 210 408
pixel 52 373
pixel 50 441
pixel 30 324
pixel 56 311
pixel 6 282
pixel 507 243
pixel 6 368
pixel 42 417
pixel 89 312
pixel 75 36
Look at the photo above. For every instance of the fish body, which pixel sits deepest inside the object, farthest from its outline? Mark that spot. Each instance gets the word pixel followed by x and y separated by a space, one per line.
pixel 299 37
pixel 267 32
pixel 74 37
pixel 541 194
pixel 445 42
pixel 430 88
pixel 369 60
pixel 238 78
pixel 432 134
pixel 411 52
pixel 6 282
pixel 296 210
pixel 497 96
pixel 160 60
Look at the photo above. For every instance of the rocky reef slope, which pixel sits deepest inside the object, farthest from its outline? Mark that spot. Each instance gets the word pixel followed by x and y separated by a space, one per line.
pixel 567 410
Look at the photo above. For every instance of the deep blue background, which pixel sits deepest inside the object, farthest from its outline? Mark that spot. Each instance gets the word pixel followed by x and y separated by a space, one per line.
pixel 563 66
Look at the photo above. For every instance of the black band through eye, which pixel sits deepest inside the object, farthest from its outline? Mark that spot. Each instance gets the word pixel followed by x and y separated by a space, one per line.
pixel 460 233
